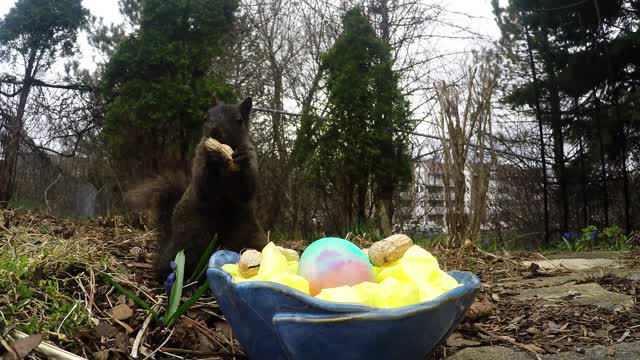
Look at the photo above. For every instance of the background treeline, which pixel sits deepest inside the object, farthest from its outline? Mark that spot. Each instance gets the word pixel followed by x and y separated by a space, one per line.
pixel 369 91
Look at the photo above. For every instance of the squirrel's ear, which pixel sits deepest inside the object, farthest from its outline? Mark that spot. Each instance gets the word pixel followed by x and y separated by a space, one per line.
pixel 245 107
pixel 214 100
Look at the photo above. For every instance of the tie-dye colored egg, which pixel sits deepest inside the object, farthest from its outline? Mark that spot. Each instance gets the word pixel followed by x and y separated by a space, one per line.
pixel 333 262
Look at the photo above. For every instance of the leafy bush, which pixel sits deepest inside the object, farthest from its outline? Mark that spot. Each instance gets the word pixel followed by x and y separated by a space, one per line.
pixel 610 238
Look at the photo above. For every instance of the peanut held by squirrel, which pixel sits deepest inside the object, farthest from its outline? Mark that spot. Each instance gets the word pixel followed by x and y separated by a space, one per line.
pixel 219 197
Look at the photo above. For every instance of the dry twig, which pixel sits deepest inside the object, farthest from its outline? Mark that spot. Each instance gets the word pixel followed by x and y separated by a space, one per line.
pixel 140 336
pixel 529 348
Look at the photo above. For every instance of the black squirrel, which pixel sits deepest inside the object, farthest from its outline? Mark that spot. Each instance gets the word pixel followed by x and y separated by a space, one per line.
pixel 190 211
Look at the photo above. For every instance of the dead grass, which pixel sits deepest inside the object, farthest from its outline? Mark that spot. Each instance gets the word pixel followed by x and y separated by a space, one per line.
pixel 52 282
pixel 40 278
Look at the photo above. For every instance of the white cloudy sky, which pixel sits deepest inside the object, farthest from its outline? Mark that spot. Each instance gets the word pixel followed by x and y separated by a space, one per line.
pixel 482 21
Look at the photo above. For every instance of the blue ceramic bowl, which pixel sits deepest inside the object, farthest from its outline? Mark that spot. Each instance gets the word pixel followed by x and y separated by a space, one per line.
pixel 273 322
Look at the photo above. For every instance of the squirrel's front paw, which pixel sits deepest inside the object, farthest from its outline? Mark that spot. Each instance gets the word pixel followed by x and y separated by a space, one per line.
pixel 216 160
pixel 243 156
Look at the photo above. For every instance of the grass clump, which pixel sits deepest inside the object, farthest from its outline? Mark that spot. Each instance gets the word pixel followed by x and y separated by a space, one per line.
pixel 40 278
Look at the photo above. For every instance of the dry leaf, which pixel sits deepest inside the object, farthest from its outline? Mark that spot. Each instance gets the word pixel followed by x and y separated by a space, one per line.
pixel 102 354
pixel 224 328
pixel 552 327
pixel 624 336
pixel 205 345
pixel 457 340
pixel 23 347
pixel 136 251
pixel 139 265
pixel 122 312
pixel 533 348
pixel 479 310
pixel 121 342
pixel 104 329
pixel 533 330
pixel 584 330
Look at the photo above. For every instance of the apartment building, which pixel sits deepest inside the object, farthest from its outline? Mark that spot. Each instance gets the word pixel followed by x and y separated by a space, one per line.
pixel 425 202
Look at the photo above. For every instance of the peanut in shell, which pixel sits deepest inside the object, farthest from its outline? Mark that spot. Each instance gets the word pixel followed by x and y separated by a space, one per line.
pixel 389 250
pixel 249 263
pixel 225 150
pixel 290 254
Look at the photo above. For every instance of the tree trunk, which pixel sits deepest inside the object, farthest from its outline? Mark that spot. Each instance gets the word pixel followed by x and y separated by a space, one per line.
pixel 361 201
pixel 558 152
pixel 10 164
pixel 385 26
pixel 603 167
pixel 583 185
pixel 384 207
pixel 280 176
pixel 545 181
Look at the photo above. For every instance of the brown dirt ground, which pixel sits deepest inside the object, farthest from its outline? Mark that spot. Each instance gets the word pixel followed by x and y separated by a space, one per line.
pixel 203 333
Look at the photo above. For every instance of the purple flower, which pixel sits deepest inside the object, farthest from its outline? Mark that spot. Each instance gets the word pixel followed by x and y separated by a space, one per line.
pixel 173 265
pixel 567 236
pixel 485 243
pixel 593 235
pixel 169 283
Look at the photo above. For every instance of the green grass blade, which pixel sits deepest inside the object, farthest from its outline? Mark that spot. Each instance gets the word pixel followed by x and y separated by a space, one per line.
pixel 204 261
pixel 133 297
pixel 189 303
pixel 176 288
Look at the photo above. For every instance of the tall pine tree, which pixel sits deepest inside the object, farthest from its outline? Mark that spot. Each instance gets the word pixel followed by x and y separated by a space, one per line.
pixel 361 150
pixel 158 82
pixel 586 57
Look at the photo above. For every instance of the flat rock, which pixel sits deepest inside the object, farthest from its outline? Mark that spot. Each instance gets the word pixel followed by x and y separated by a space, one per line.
pixel 539 282
pixel 624 351
pixel 585 294
pixel 564 279
pixel 596 254
pixel 490 353
pixel 576 264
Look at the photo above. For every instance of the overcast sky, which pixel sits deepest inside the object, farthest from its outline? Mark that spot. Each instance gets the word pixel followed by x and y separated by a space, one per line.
pixel 480 9
pixel 480 20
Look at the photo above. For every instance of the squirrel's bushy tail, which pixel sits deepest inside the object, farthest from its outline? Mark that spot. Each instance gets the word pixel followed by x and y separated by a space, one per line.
pixel 159 195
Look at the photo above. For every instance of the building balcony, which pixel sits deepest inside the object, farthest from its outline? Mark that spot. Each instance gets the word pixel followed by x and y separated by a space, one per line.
pixel 436 210
pixel 438 196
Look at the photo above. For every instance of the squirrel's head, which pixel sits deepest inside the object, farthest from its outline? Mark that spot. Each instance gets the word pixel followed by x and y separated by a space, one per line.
pixel 228 123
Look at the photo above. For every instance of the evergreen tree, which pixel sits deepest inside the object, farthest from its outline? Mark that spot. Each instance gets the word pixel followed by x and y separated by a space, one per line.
pixel 158 82
pixel 585 54
pixel 362 147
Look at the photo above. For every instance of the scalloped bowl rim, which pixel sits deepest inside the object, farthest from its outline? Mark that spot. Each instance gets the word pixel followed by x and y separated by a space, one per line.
pixel 471 285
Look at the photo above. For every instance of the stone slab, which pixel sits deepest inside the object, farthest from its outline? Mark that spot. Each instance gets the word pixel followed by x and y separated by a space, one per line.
pixel 539 282
pixel 576 264
pixel 567 278
pixel 585 294
pixel 597 254
pixel 489 353
pixel 624 351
